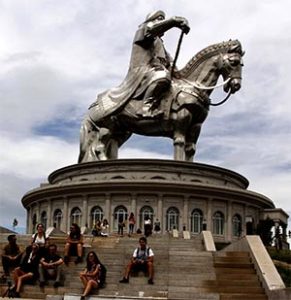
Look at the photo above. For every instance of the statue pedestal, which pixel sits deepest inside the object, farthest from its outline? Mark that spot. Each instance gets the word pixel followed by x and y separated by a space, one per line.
pixel 181 195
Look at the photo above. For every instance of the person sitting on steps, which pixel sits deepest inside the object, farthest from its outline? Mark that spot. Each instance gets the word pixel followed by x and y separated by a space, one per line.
pixel 28 270
pixel 50 267
pixel 74 244
pixel 11 255
pixel 142 259
pixel 91 277
pixel 41 239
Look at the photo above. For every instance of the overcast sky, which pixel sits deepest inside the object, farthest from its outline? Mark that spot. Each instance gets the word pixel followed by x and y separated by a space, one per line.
pixel 56 56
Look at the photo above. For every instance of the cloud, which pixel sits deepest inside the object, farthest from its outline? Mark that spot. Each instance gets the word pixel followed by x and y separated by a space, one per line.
pixel 56 56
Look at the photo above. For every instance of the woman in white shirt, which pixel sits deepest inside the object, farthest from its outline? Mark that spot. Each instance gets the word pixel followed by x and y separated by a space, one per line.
pixel 105 228
pixel 40 239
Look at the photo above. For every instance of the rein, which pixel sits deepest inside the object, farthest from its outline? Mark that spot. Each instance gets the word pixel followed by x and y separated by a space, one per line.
pixel 203 87
pixel 222 101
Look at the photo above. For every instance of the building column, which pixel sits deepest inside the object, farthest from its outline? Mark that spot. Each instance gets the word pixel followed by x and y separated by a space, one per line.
pixel 107 208
pixel 209 215
pixel 66 218
pixel 29 220
pixel 109 215
pixel 49 213
pixel 243 222
pixel 85 212
pixel 229 222
pixel 284 232
pixel 133 205
pixel 277 227
pixel 38 214
pixel 185 219
pixel 160 212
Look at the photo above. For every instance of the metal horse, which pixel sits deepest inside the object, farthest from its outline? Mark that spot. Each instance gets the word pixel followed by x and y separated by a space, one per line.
pixel 185 107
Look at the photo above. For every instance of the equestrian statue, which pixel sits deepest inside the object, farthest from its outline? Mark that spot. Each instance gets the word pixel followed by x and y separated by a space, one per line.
pixel 157 99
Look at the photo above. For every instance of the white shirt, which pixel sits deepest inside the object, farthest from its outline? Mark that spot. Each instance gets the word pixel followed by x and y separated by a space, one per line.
pixel 140 252
pixel 38 240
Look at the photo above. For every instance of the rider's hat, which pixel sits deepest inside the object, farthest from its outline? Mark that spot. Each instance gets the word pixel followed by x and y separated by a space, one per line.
pixel 154 15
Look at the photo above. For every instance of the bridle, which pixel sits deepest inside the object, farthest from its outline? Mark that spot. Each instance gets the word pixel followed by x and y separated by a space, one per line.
pixel 203 87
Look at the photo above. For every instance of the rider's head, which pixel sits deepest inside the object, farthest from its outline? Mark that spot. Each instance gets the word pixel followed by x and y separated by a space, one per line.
pixel 155 15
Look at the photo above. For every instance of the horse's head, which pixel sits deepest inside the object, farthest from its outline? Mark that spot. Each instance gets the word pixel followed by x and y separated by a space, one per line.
pixel 232 66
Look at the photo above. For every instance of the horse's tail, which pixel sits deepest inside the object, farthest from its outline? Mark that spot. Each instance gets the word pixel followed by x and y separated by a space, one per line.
pixel 88 137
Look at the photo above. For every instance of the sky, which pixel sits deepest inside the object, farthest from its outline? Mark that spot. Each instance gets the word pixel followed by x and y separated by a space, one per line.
pixel 56 56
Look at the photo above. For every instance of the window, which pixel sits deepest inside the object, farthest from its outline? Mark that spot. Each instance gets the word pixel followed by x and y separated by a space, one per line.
pixel 172 218
pixel 145 213
pixel 43 219
pixel 58 215
pixel 218 223
pixel 120 212
pixel 96 215
pixel 196 221
pixel 236 225
pixel 76 216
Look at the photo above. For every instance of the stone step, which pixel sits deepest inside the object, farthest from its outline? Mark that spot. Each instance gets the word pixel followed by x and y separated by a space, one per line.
pixel 196 296
pixel 135 292
pixel 233 254
pixel 232 259
pixel 182 271
pixel 234 265
pixel 229 270
pixel 217 289
pixel 243 296
pixel 237 289
pixel 237 276
pixel 232 282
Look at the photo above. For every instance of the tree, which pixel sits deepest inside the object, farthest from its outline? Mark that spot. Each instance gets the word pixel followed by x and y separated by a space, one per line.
pixel 264 231
pixel 15 223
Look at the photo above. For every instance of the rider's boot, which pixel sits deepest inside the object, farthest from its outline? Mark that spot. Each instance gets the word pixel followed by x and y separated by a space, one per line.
pixel 150 109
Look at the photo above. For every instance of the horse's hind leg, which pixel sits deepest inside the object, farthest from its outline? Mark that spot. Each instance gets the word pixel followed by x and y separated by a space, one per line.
pixel 91 147
pixel 179 136
pixel 191 142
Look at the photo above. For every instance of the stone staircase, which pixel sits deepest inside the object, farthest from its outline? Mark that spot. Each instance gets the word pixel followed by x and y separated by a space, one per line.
pixel 236 277
pixel 183 270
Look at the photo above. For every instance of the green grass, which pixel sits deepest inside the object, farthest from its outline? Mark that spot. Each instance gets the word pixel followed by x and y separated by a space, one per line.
pixel 283 256
pixel 285 275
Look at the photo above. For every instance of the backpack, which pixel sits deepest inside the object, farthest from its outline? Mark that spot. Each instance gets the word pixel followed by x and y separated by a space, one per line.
pixel 35 236
pixel 102 276
pixel 147 253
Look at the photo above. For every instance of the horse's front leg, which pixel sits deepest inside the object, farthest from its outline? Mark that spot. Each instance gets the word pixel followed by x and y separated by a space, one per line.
pixel 179 145
pixel 179 137
pixel 191 142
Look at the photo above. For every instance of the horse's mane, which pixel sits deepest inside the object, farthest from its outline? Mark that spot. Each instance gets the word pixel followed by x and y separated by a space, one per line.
pixel 229 46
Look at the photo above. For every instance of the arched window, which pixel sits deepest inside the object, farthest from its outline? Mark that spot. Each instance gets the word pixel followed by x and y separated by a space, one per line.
pixel 76 215
pixel 196 221
pixel 120 212
pixel 172 218
pixel 218 223
pixel 96 215
pixel 236 225
pixel 146 212
pixel 43 219
pixel 58 216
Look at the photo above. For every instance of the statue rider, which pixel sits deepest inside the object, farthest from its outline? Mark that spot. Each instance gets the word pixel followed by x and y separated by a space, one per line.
pixel 149 74
pixel 150 57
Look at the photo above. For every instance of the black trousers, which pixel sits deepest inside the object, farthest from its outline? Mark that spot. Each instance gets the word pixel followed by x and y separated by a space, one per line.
pixel 7 263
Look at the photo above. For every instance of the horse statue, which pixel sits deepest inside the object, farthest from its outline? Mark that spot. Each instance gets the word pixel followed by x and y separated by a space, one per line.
pixel 185 107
